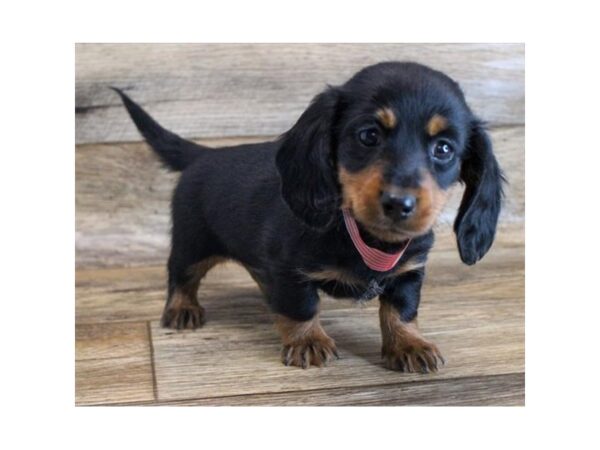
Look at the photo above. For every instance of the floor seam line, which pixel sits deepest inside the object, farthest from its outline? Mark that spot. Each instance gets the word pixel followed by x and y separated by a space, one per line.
pixel 152 364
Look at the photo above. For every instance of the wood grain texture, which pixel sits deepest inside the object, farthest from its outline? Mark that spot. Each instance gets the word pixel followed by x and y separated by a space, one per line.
pixel 495 390
pixel 108 381
pixel 123 194
pixel 113 363
pixel 228 358
pixel 475 314
pixel 216 90
pixel 111 340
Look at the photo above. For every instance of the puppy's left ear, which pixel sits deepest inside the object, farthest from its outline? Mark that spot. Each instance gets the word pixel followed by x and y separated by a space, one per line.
pixel 475 224
pixel 305 163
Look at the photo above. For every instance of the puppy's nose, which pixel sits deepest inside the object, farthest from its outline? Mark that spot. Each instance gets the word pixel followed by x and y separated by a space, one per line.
pixel 398 206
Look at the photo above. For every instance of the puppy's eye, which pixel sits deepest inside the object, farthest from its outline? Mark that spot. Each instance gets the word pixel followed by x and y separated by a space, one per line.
pixel 369 137
pixel 442 151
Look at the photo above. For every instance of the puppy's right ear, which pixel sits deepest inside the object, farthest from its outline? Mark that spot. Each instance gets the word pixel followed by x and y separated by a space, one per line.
pixel 305 163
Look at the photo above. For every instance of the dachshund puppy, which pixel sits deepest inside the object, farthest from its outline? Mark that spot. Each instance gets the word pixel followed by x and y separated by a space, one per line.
pixel 343 202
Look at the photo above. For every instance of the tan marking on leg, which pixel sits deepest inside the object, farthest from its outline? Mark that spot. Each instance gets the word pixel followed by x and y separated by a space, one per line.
pixel 200 269
pixel 403 347
pixel 181 299
pixel 304 343
pixel 387 117
pixel 436 125
pixel 182 310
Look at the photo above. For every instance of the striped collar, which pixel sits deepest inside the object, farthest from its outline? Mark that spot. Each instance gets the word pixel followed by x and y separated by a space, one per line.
pixel 373 258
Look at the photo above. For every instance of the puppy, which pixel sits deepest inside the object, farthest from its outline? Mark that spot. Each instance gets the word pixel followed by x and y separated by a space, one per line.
pixel 343 202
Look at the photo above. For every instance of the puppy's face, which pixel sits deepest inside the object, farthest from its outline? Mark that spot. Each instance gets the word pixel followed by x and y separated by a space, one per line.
pixel 400 142
pixel 387 145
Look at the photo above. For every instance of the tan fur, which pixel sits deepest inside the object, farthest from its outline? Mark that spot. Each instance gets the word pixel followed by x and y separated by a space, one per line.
pixel 387 117
pixel 361 192
pixel 304 343
pixel 181 299
pixel 335 274
pixel 430 202
pixel 200 269
pixel 436 125
pixel 411 264
pixel 348 279
pixel 183 310
pixel 403 347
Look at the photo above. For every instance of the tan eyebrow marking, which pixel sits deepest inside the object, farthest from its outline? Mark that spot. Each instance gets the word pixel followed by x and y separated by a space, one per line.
pixel 436 124
pixel 387 117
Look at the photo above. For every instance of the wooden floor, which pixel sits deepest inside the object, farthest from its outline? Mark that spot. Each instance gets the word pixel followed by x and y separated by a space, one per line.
pixel 475 315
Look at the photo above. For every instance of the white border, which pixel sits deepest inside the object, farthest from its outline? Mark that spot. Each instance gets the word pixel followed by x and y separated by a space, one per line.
pixel 38 224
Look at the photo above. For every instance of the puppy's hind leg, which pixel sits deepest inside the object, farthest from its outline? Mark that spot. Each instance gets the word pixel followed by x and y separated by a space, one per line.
pixel 182 310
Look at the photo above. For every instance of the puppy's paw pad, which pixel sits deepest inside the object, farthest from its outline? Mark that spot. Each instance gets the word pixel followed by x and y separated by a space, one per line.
pixel 315 352
pixel 423 357
pixel 187 317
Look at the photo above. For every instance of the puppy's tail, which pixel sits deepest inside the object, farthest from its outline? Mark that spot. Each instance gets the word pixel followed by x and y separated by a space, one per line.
pixel 174 151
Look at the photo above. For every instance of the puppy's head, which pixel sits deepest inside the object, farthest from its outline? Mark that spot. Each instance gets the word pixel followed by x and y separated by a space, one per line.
pixel 387 145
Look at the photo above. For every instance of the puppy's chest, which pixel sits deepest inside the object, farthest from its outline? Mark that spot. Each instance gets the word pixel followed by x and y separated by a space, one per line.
pixel 356 280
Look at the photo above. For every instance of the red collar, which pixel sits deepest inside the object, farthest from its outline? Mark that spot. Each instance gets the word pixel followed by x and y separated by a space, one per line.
pixel 373 258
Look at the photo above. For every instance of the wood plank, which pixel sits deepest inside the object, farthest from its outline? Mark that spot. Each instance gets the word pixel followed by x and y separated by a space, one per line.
pixel 111 380
pixel 213 90
pixel 123 194
pixel 496 390
pixel 113 363
pixel 228 358
pixel 111 340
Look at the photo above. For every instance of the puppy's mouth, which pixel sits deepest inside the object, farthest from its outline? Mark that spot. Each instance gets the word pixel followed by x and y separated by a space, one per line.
pixel 388 231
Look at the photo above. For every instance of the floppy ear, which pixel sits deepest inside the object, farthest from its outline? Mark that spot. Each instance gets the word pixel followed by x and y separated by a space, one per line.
pixel 475 224
pixel 305 163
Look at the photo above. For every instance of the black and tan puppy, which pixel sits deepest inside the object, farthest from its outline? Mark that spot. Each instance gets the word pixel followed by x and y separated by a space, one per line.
pixel 343 202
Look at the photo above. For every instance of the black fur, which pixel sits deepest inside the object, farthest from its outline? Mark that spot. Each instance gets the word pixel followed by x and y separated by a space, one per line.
pixel 175 152
pixel 276 206
pixel 305 162
pixel 475 224
pixel 405 294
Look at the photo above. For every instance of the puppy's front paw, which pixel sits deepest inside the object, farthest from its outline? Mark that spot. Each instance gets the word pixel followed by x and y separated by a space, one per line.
pixel 418 355
pixel 305 343
pixel 316 352
pixel 185 317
